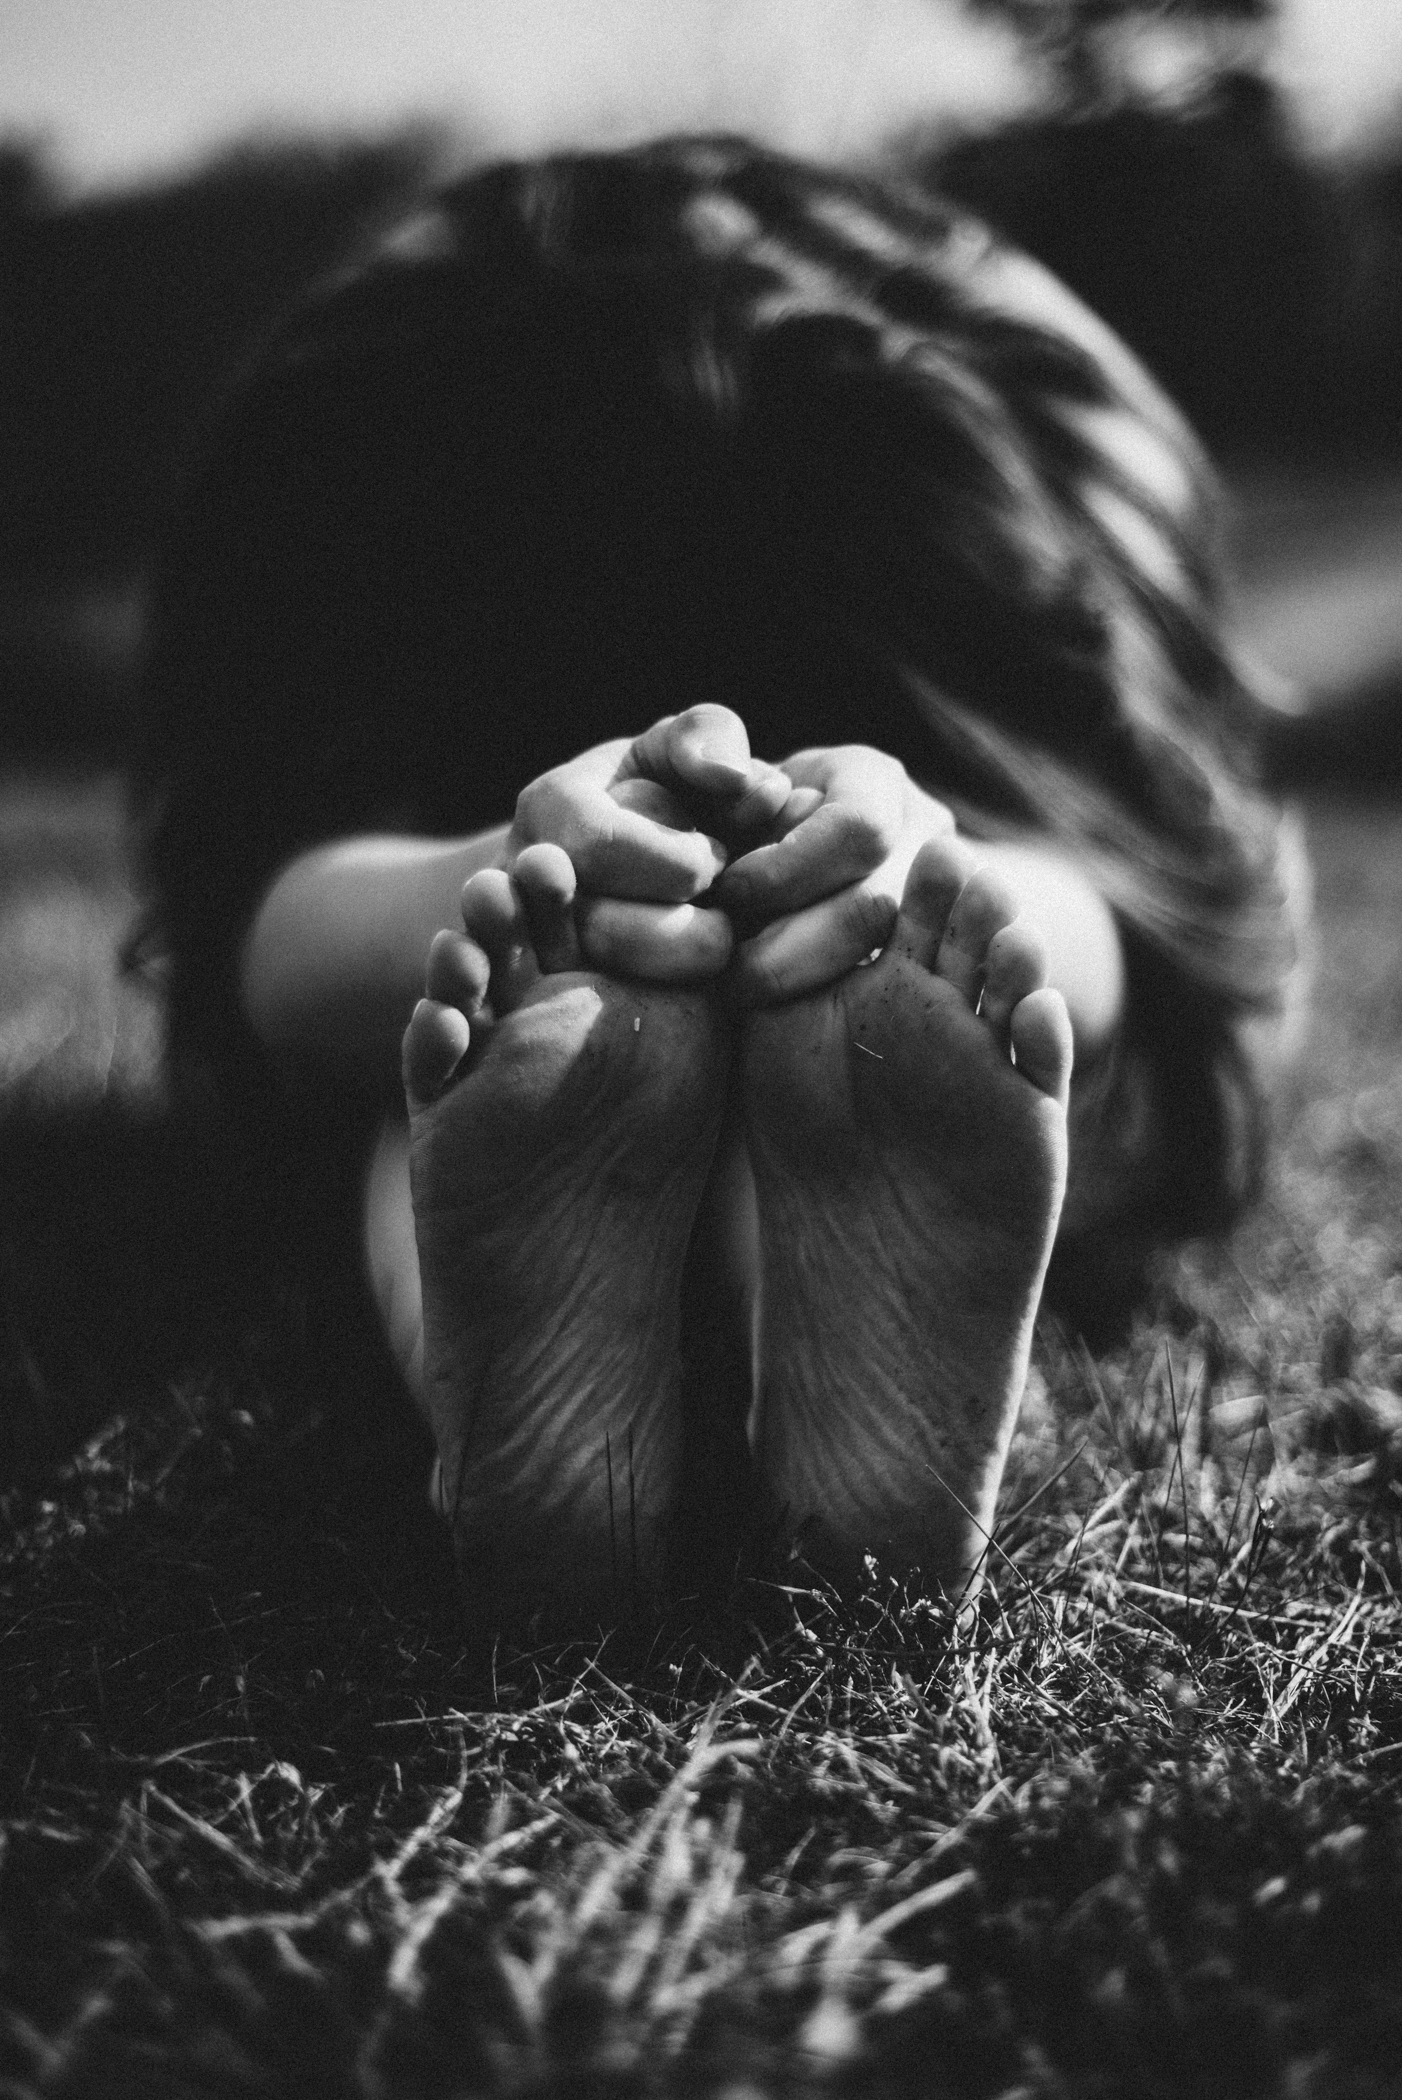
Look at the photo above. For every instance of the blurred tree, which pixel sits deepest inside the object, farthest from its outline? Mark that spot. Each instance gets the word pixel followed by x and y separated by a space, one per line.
pixel 26 184
pixel 122 316
pixel 1086 48
pixel 1162 178
pixel 1199 233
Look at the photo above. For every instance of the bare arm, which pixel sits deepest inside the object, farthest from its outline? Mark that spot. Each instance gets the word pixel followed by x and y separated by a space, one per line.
pixel 333 962
pixel 334 959
pixel 824 891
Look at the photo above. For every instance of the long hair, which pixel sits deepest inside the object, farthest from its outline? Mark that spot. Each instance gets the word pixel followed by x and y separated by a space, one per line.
pixel 600 435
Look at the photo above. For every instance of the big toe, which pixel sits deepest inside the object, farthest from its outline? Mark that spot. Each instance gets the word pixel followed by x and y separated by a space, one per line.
pixel 545 882
pixel 708 743
pixel 1040 1030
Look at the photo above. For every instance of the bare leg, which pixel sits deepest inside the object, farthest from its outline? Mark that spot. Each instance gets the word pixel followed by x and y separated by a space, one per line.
pixel 392 1255
pixel 909 1154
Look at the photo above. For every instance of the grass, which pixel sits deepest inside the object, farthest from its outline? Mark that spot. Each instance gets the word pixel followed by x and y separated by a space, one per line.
pixel 271 1825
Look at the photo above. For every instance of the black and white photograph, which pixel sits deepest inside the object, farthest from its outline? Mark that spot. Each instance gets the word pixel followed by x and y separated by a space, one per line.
pixel 701 1050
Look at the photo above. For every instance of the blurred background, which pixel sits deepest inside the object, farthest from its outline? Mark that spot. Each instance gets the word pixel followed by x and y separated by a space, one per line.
pixel 1221 178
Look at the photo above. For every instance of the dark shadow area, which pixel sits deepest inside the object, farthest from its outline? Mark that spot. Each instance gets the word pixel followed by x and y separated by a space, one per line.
pixel 247 1449
pixel 1264 287
pixel 125 318
pixel 1353 742
pixel 193 1388
pixel 143 1251
pixel 119 1270
pixel 126 315
pixel 70 660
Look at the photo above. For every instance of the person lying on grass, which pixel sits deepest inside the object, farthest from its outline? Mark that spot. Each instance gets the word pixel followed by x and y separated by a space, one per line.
pixel 943 847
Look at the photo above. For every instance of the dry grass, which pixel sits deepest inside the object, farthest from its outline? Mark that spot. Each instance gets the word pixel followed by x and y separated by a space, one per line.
pixel 270 1826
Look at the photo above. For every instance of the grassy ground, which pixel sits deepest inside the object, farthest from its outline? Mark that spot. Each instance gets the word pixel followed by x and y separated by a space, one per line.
pixel 270 1827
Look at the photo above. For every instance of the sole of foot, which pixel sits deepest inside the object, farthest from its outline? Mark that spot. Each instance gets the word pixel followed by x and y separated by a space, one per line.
pixel 562 1126
pixel 907 1131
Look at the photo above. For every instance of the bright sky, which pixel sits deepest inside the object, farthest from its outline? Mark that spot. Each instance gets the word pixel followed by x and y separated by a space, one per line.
pixel 122 88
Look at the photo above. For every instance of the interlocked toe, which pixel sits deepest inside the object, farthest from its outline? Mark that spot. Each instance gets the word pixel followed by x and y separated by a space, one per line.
pixel 984 906
pixel 1014 967
pixel 544 879
pixel 494 916
pixel 938 874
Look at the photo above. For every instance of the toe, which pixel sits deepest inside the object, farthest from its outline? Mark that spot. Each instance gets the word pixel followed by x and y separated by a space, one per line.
pixel 544 878
pixel 493 913
pixel 937 875
pixel 495 918
pixel 664 943
pixel 983 907
pixel 1016 964
pixel 458 972
pixel 435 1043
pixel 1041 1040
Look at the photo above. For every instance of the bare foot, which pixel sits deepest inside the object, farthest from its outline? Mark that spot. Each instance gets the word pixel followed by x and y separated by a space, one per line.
pixel 909 1177
pixel 561 1131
